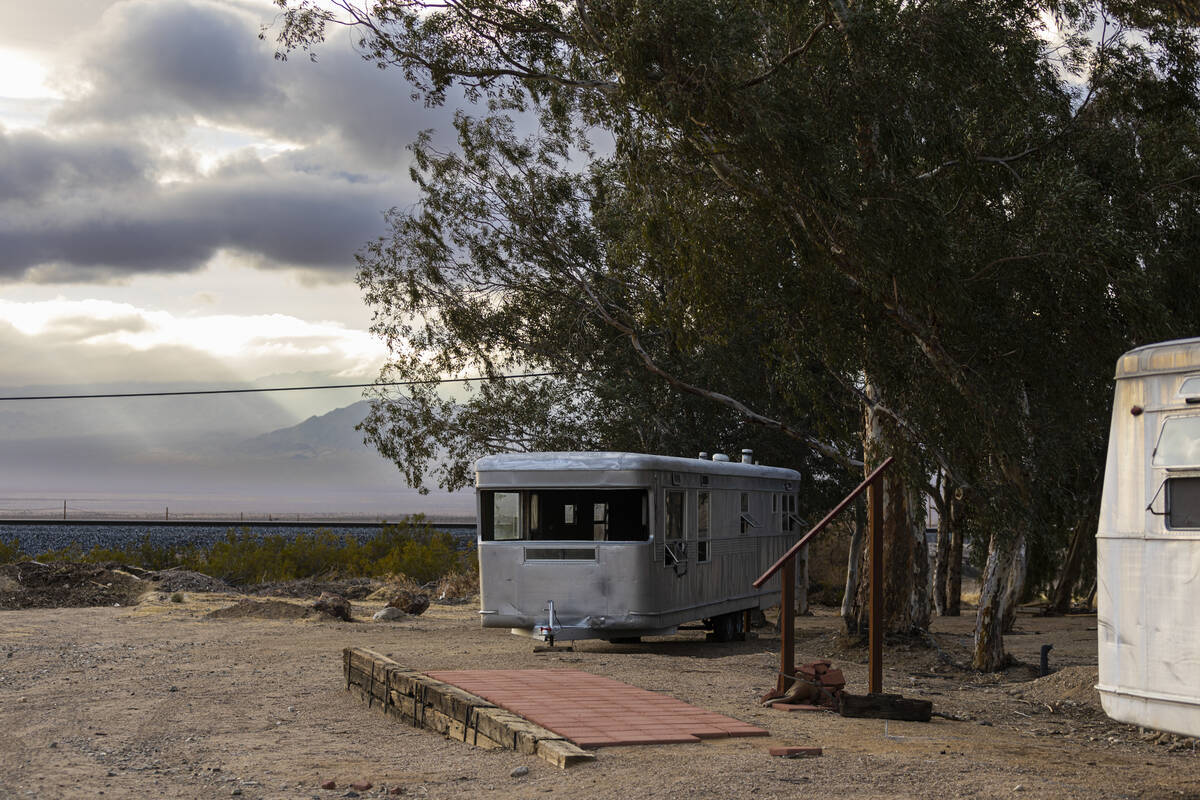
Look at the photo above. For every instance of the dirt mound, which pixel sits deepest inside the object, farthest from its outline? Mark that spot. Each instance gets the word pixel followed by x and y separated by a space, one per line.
pixel 1070 685
pixel 261 609
pixel 184 580
pixel 31 584
pixel 351 588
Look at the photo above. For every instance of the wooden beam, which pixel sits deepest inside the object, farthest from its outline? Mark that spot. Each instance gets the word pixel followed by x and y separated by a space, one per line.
pixel 787 625
pixel 875 620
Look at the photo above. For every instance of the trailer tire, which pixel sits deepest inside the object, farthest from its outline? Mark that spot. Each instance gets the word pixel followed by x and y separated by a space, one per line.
pixel 727 628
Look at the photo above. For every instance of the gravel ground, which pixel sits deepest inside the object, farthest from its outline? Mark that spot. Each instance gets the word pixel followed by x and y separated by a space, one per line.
pixel 156 701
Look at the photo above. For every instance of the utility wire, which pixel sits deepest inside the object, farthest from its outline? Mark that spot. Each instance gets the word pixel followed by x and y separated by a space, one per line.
pixel 430 382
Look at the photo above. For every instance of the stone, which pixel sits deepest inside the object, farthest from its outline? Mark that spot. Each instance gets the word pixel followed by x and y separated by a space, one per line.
pixel 361 786
pixel 235 792
pixel 388 614
pixel 329 785
pixel 410 602
pixel 334 605
pixel 519 772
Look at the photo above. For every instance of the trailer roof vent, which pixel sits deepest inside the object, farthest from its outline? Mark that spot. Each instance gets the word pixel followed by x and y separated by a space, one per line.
pixel 720 457
pixel 747 455
pixel 703 456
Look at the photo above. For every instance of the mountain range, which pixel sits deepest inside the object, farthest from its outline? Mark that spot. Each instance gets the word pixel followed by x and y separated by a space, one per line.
pixel 199 455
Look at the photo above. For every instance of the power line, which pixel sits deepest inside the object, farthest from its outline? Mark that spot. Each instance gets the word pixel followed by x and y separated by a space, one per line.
pixel 430 382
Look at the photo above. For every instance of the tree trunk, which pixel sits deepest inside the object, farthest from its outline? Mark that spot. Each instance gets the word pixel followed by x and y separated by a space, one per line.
pixel 851 610
pixel 958 515
pixel 941 565
pixel 906 602
pixel 1014 587
pixel 1060 598
pixel 989 621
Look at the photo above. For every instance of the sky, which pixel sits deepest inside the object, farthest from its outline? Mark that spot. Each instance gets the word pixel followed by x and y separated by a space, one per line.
pixel 176 204
pixel 178 207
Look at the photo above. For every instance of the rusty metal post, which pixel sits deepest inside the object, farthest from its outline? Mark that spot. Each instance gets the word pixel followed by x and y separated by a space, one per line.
pixel 875 619
pixel 787 625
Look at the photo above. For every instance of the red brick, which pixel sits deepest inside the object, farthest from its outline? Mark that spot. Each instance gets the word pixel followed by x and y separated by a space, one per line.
pixel 796 752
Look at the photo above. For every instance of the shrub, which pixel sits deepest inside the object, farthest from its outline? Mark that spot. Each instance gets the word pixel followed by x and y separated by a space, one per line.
pixel 177 597
pixel 10 551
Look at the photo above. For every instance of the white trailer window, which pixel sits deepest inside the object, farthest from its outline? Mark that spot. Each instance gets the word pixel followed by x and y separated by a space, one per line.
pixel 703 507
pixel 1178 443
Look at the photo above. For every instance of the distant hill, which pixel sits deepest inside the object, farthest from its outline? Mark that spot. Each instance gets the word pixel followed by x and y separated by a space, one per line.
pixel 318 435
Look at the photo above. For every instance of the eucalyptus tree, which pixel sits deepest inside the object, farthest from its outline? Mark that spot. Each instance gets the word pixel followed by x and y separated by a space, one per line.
pixel 954 215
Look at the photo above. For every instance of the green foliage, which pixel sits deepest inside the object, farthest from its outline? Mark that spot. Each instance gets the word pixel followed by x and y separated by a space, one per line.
pixel 10 551
pixel 177 597
pixel 409 547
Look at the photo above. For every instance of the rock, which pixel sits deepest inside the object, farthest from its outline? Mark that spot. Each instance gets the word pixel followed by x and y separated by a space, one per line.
pixel 292 709
pixel 334 605
pixel 388 614
pixel 396 790
pixel 409 602
pixel 235 792
pixel 361 786
pixel 329 785
pixel 519 772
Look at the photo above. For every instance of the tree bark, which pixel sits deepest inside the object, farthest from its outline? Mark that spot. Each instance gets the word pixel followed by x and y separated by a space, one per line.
pixel 989 621
pixel 941 565
pixel 851 609
pixel 906 605
pixel 1014 586
pixel 1060 599
pixel 958 515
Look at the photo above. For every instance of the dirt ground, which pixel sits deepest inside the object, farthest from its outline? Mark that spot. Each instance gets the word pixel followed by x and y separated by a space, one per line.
pixel 159 700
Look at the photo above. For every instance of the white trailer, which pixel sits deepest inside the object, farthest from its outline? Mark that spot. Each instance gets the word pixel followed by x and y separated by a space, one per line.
pixel 1148 542
pixel 622 545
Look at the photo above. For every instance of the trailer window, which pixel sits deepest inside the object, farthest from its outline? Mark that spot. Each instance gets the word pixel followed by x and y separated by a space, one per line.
pixel 1183 502
pixel 613 515
pixel 1190 387
pixel 703 504
pixel 747 519
pixel 673 529
pixel 1178 443
pixel 501 516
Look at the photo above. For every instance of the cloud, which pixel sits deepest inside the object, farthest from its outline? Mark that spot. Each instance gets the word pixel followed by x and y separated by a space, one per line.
pixel 196 60
pixel 112 341
pixel 75 208
pixel 34 166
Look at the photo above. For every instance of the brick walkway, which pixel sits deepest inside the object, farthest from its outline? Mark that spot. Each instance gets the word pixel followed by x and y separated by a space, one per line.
pixel 593 711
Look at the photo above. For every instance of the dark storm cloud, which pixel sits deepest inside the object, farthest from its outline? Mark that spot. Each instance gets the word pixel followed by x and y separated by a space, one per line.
pixel 98 197
pixel 181 61
pixel 34 166
pixel 279 217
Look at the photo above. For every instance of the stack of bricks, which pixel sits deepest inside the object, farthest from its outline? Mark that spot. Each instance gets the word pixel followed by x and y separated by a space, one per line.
pixel 817 686
pixel 824 675
pixel 424 702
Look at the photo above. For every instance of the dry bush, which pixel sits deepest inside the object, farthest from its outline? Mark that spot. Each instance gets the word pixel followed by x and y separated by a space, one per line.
pixel 457 586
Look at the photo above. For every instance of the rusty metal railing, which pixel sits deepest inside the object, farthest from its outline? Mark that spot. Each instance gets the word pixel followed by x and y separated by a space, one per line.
pixel 787 599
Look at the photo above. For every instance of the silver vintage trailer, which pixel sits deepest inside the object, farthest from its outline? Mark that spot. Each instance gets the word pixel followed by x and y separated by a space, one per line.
pixel 622 545
pixel 1148 542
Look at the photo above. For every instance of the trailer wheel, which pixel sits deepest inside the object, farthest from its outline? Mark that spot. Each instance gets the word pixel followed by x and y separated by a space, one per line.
pixel 727 628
